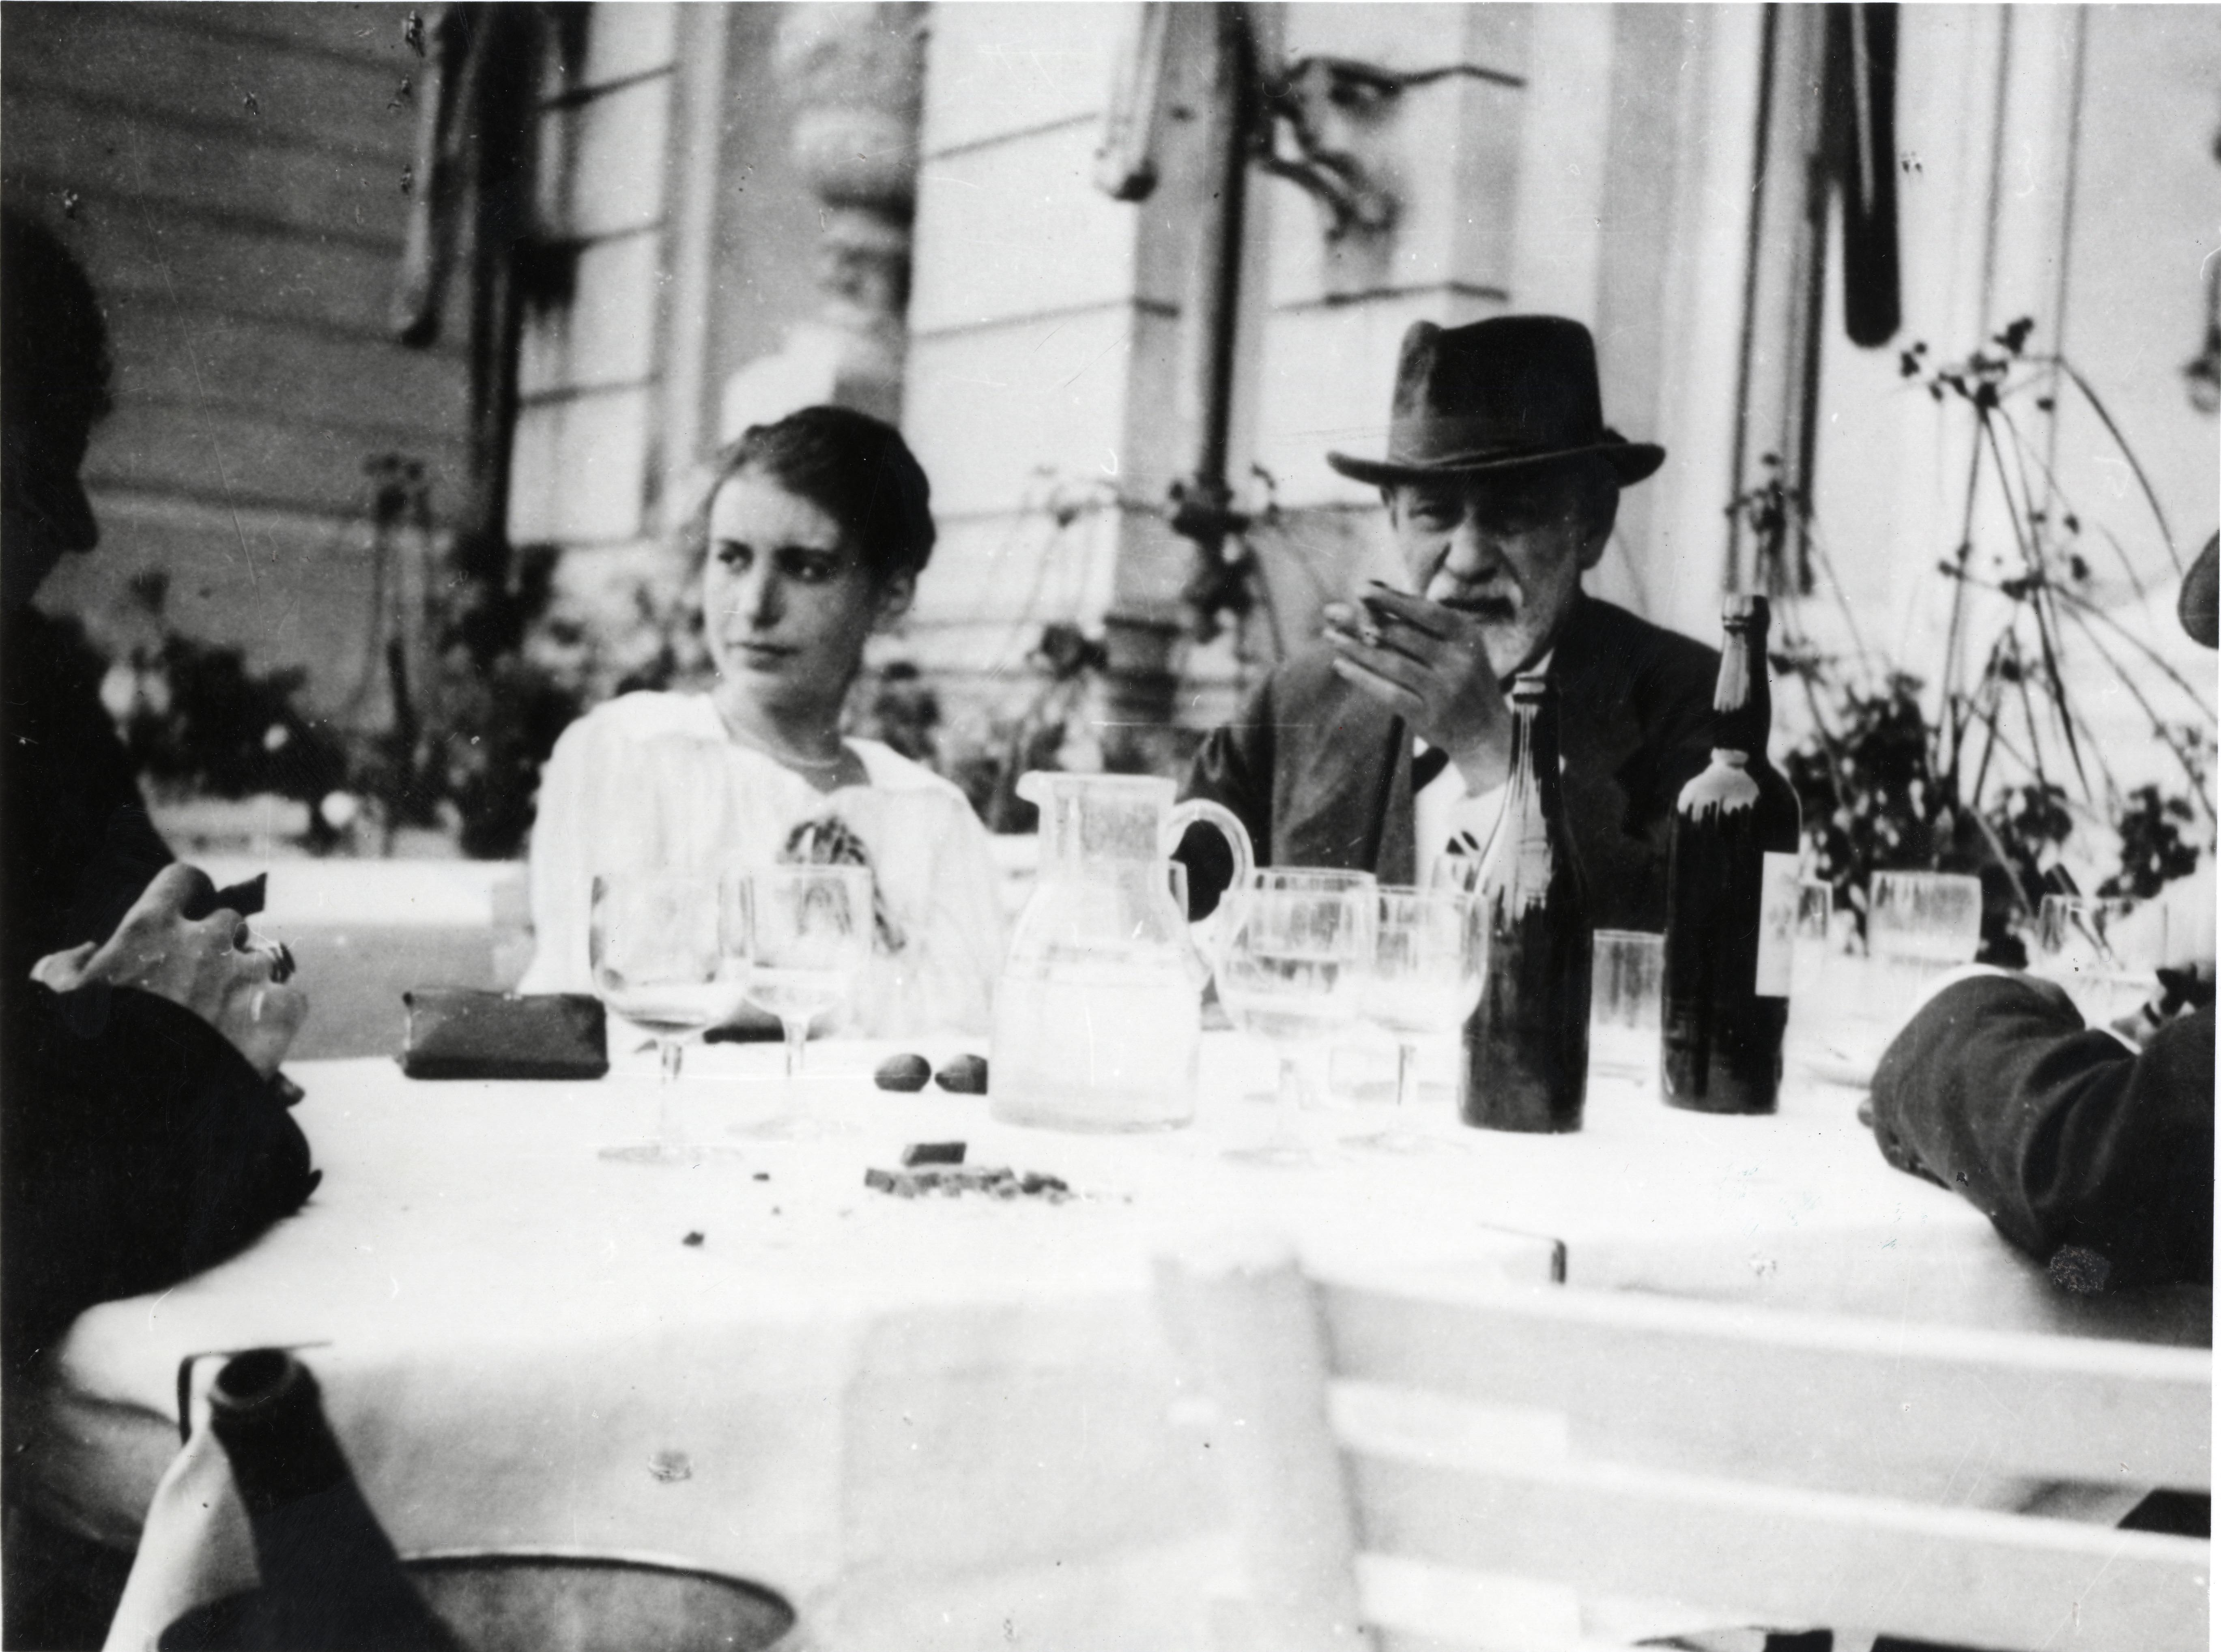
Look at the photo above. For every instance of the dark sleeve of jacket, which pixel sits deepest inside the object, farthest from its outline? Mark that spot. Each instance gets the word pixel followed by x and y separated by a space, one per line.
pixel 2057 1132
pixel 140 1147
pixel 1232 767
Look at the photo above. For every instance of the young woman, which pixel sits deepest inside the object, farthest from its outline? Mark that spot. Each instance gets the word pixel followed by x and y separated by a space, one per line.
pixel 813 538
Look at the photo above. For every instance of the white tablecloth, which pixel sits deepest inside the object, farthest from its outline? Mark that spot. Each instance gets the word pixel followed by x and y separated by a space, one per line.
pixel 931 1423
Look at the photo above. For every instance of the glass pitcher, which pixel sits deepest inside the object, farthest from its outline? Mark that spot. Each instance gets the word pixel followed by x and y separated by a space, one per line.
pixel 1099 1013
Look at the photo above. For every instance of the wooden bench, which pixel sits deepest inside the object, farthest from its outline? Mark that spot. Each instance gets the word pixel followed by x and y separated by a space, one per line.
pixel 1750 1462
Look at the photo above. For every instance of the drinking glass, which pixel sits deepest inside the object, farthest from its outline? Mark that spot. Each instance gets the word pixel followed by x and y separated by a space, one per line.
pixel 1812 938
pixel 1824 989
pixel 1291 971
pixel 1628 976
pixel 1919 924
pixel 1427 954
pixel 2082 943
pixel 1929 918
pixel 809 936
pixel 669 956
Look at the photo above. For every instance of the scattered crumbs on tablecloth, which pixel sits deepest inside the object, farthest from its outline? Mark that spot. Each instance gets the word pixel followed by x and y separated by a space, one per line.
pixel 671 1467
pixel 951 1181
pixel 693 1237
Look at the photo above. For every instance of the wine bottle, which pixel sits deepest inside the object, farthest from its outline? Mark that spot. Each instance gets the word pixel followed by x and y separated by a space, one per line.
pixel 1527 1044
pixel 1730 897
pixel 330 1577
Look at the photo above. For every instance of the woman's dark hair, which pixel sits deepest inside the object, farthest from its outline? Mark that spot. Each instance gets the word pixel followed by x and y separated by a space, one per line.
pixel 857 469
pixel 851 467
pixel 54 342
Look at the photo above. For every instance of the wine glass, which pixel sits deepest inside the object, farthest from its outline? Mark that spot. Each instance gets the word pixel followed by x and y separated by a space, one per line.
pixel 1428 955
pixel 2081 945
pixel 809 932
pixel 1291 971
pixel 1919 926
pixel 1932 918
pixel 668 956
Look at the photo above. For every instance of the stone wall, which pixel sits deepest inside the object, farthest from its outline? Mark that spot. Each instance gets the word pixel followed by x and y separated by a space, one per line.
pixel 234 178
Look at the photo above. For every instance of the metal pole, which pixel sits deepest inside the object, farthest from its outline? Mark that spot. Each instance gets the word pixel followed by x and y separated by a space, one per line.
pixel 1202 499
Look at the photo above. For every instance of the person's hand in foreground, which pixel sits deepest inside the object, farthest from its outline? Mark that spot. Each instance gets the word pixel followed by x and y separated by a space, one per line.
pixel 208 966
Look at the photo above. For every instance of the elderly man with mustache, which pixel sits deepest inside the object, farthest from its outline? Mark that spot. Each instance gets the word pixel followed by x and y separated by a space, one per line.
pixel 1389 745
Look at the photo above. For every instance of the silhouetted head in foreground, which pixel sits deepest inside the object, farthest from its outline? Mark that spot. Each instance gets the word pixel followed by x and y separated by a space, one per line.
pixel 55 372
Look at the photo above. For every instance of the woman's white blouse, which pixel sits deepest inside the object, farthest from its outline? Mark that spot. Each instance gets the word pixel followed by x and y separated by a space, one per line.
pixel 652 781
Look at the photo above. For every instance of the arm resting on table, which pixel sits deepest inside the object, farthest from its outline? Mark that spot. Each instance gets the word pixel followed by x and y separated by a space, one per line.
pixel 2055 1132
pixel 140 1147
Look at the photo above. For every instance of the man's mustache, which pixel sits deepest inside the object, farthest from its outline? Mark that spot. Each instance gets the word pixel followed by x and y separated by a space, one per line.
pixel 1485 607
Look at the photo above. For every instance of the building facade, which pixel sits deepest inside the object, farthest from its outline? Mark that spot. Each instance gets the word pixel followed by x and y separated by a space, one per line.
pixel 737 210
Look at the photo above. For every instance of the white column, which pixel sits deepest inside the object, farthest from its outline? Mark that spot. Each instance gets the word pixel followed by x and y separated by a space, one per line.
pixel 1684 96
pixel 1044 337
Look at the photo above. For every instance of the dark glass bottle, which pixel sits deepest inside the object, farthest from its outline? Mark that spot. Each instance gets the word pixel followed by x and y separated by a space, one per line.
pixel 330 1577
pixel 1527 1045
pixel 1730 897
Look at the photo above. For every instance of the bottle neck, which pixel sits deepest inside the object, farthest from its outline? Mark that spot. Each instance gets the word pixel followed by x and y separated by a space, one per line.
pixel 1742 702
pixel 270 1424
pixel 1535 777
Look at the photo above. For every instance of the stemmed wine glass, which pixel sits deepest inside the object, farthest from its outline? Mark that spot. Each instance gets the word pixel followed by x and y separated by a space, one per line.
pixel 1291 971
pixel 670 956
pixel 808 937
pixel 1428 956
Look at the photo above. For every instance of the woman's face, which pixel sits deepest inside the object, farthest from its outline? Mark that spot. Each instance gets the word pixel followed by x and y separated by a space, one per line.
pixel 787 602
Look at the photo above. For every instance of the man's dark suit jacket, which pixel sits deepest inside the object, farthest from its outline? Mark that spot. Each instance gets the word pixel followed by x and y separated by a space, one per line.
pixel 1320 771
pixel 2097 1160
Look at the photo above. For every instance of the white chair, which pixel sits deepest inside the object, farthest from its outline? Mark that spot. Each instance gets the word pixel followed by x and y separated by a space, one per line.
pixel 1703 1459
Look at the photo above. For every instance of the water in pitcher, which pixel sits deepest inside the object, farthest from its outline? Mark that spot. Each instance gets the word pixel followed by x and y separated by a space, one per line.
pixel 1095 1045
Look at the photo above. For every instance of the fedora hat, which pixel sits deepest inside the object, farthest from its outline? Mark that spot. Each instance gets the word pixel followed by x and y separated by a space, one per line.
pixel 1516 390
